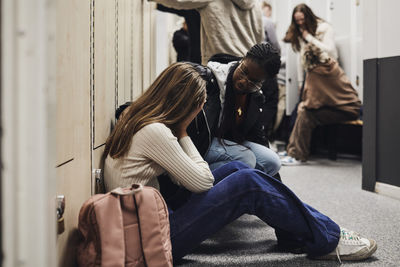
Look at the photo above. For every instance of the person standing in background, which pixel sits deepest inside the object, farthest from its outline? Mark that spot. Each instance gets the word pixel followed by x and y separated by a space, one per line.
pixel 269 26
pixel 279 95
pixel 192 19
pixel 181 43
pixel 230 27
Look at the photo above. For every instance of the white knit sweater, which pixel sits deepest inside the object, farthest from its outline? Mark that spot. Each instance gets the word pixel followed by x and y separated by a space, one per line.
pixel 323 39
pixel 154 150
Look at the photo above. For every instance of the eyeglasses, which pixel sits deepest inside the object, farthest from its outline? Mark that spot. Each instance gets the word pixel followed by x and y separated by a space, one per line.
pixel 252 86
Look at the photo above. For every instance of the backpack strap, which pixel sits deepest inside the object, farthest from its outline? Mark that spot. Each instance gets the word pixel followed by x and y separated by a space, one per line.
pixel 140 230
pixel 154 226
pixel 111 231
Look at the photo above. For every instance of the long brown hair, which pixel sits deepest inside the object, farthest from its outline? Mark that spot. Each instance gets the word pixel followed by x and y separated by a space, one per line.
pixel 293 34
pixel 175 93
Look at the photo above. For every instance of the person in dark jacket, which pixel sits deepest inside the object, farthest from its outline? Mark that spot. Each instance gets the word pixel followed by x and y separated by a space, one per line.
pixel 181 43
pixel 233 123
pixel 192 19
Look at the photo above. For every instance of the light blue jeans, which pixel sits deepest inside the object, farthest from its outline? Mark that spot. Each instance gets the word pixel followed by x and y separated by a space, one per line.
pixel 252 154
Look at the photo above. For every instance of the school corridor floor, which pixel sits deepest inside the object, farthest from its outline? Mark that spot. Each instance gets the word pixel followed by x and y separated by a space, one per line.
pixel 332 187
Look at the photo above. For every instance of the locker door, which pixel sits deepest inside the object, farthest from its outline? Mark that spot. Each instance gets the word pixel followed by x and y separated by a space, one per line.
pixel 104 69
pixel 73 117
pixel 124 51
pixel 147 44
pixel 137 48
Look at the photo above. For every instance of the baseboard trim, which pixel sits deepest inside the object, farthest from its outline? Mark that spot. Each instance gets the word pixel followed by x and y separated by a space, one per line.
pixel 387 190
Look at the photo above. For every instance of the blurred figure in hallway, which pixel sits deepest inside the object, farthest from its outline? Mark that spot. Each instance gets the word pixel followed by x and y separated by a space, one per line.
pixel 328 98
pixel 305 28
pixel 230 27
pixel 269 26
pixel 280 95
pixel 192 19
pixel 181 43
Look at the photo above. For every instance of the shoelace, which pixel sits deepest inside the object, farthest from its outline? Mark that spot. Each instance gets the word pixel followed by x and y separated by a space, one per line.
pixel 338 255
pixel 353 233
pixel 347 235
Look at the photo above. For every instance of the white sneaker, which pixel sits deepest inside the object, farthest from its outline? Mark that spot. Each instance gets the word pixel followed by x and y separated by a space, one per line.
pixel 282 154
pixel 289 161
pixel 351 247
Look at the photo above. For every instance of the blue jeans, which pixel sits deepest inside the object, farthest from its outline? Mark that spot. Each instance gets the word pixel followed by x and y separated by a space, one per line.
pixel 252 154
pixel 240 190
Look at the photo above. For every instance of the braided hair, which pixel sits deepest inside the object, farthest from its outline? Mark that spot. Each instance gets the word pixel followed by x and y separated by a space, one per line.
pixel 265 55
pixel 268 58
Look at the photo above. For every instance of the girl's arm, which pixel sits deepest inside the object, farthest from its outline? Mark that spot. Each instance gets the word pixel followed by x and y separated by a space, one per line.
pixel 327 43
pixel 179 158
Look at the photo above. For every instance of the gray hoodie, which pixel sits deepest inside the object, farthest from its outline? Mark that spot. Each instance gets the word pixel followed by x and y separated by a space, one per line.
pixel 227 26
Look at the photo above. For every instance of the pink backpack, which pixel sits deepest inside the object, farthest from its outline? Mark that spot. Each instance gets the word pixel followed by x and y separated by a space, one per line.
pixel 125 227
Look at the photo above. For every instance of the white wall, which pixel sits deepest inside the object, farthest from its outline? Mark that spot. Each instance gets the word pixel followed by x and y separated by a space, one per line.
pixel 28 101
pixel 162 40
pixel 379 17
pixel 166 25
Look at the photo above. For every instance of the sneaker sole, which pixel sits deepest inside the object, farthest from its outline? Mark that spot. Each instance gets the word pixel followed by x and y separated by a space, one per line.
pixel 360 255
pixel 293 163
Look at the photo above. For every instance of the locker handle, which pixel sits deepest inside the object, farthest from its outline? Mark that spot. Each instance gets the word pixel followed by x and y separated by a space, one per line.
pixel 60 206
pixel 60 212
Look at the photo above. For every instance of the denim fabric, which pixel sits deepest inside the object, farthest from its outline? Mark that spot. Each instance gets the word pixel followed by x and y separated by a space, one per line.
pixel 241 190
pixel 252 154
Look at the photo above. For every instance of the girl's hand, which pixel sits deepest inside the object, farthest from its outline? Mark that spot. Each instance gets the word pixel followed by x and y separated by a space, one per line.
pixel 181 128
pixel 304 33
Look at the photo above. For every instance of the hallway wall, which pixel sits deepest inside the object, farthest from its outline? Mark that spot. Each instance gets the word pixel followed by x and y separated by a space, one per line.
pixel 381 114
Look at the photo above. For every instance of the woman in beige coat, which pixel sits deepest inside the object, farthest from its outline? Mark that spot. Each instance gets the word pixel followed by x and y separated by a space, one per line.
pixel 328 98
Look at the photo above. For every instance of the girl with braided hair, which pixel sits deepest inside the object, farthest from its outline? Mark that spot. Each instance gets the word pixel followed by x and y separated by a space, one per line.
pixel 151 138
pixel 241 104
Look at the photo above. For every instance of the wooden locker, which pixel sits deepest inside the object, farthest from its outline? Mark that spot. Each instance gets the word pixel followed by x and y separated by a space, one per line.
pixel 137 44
pixel 125 35
pixel 104 81
pixel 73 117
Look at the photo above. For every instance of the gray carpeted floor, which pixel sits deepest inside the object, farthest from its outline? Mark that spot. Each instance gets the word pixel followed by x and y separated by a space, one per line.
pixel 332 187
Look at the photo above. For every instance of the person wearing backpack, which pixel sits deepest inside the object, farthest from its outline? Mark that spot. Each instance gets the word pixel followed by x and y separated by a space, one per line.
pixel 151 138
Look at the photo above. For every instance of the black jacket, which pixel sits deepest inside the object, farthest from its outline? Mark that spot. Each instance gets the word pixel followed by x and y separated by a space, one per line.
pixel 204 127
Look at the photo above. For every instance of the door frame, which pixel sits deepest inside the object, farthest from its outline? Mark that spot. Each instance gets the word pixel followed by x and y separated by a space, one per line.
pixel 28 132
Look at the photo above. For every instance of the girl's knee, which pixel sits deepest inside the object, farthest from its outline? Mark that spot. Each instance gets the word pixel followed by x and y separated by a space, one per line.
pixel 274 166
pixel 271 163
pixel 247 157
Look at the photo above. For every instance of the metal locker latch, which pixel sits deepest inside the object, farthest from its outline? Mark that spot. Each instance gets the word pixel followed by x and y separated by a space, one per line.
pixel 60 212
